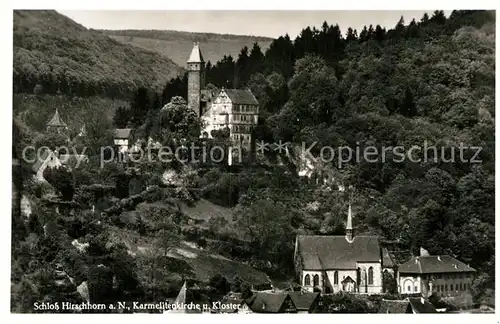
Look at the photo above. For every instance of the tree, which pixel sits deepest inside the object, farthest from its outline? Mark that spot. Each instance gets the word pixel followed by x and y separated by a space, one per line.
pixel 180 121
pixel 62 179
pixel 121 117
pixel 220 284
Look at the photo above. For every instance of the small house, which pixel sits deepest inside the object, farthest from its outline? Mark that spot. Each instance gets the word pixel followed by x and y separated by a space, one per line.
pixel 123 139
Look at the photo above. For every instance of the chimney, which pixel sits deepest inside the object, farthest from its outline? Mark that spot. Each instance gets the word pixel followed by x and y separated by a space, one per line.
pixel 417 259
pixel 422 300
pixel 348 228
pixel 439 258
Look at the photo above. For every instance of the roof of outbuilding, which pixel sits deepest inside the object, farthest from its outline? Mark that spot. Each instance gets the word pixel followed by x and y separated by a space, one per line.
pixel 434 264
pixel 123 132
pixel 303 300
pixel 335 252
pixel 421 306
pixel 241 96
pixel 393 306
pixel 42 157
pixel 266 302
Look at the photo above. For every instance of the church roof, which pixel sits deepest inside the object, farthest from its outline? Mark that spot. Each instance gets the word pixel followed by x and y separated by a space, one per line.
pixel 56 121
pixel 335 252
pixel 434 264
pixel 195 56
pixel 241 96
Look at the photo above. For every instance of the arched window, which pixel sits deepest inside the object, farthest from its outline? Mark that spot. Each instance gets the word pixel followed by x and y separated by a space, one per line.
pixel 316 280
pixel 370 276
pixel 336 277
pixel 307 281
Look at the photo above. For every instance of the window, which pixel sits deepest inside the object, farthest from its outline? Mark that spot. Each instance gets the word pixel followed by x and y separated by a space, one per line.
pixel 307 280
pixel 416 289
pixel 409 288
pixel 437 288
pixel 316 280
pixel 370 276
pixel 445 287
pixel 456 287
pixel 336 277
pixel 461 286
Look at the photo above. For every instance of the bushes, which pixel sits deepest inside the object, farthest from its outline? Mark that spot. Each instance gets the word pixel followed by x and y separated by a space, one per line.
pixel 62 179
pixel 345 303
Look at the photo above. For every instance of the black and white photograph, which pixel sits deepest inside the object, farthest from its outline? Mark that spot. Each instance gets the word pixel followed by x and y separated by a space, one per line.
pixel 252 161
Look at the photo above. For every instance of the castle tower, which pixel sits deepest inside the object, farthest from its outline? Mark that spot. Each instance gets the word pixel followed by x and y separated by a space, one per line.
pixel 196 78
pixel 348 228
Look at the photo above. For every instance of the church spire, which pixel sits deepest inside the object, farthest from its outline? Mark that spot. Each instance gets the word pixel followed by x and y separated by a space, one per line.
pixel 348 228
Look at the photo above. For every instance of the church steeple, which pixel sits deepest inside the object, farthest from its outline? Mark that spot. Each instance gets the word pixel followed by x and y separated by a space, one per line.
pixel 348 228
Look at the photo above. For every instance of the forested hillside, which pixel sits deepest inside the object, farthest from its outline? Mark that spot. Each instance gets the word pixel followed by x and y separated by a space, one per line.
pixel 429 84
pixel 54 54
pixel 177 45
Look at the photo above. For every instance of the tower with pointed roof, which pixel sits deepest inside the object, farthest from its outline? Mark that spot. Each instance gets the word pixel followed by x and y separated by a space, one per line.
pixel 196 78
pixel 348 228
pixel 56 123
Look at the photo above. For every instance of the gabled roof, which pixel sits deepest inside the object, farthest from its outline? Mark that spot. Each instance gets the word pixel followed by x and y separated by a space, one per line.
pixel 394 306
pixel 208 95
pixel 335 252
pixel 241 96
pixel 303 300
pixel 231 304
pixel 195 56
pixel 56 121
pixel 40 159
pixel 386 259
pixel 418 305
pixel 421 306
pixel 123 132
pixel 266 302
pixel 434 264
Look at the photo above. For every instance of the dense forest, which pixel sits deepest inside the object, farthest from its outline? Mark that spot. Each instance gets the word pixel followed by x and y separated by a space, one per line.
pixel 429 81
pixel 53 54
pixel 177 45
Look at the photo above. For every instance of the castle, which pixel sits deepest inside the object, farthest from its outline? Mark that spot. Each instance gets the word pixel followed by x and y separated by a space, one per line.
pixel 236 109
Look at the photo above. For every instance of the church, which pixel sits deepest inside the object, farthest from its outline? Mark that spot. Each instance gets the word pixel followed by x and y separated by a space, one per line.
pixel 332 263
pixel 236 109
